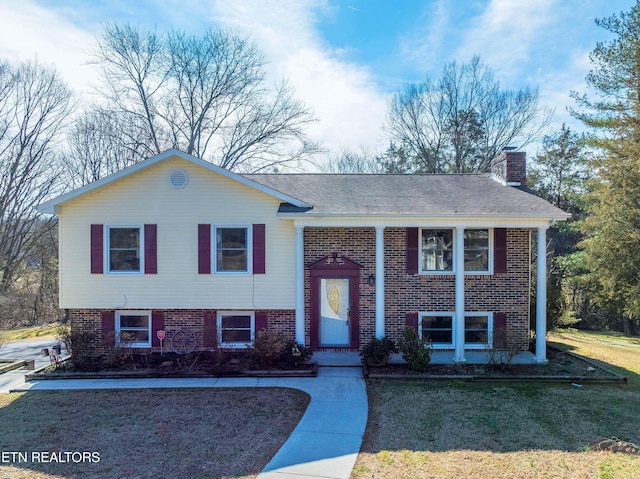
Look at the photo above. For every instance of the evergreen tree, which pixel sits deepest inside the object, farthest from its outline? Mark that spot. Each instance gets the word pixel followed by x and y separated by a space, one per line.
pixel 612 247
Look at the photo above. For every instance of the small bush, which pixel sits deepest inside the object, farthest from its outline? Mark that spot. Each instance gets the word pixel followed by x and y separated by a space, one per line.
pixel 81 346
pixel 295 354
pixel 267 348
pixel 415 351
pixel 377 351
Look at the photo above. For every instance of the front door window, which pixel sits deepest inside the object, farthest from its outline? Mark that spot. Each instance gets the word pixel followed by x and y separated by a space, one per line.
pixel 334 311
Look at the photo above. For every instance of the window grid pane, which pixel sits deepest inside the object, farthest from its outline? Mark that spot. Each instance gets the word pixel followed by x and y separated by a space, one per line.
pixel 476 329
pixel 124 249
pixel 134 329
pixel 235 328
pixel 437 329
pixel 437 250
pixel 231 249
pixel 476 250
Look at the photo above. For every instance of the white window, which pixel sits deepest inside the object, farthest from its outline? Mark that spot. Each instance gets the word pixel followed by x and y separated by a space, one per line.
pixel 477 250
pixel 477 330
pixel 133 328
pixel 232 249
pixel 124 252
pixel 439 328
pixel 236 329
pixel 438 251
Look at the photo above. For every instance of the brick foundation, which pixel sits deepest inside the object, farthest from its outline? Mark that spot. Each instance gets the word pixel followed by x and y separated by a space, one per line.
pixel 90 320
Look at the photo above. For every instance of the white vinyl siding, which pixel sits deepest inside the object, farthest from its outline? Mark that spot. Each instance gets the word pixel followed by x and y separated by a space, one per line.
pixel 147 197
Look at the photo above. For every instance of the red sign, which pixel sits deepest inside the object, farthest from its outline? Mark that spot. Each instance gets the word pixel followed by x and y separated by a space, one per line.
pixel 160 334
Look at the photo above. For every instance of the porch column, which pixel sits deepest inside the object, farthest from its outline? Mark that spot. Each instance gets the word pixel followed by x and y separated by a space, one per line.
pixel 379 281
pixel 300 284
pixel 541 297
pixel 459 318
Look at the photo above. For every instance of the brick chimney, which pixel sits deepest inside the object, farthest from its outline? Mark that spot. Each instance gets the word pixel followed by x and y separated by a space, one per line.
pixel 510 167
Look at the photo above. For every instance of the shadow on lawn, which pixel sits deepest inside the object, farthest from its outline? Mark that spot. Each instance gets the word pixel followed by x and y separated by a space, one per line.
pixel 139 433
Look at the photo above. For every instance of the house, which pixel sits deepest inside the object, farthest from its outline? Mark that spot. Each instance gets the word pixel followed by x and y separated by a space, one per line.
pixel 175 243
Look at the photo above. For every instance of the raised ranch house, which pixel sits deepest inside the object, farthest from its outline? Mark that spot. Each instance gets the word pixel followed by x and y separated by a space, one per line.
pixel 330 260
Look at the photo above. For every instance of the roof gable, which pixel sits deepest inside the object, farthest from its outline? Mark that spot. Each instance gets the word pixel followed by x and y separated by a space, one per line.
pixel 51 206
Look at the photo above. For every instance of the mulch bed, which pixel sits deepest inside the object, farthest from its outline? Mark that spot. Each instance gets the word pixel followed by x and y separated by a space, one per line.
pixel 198 364
pixel 562 365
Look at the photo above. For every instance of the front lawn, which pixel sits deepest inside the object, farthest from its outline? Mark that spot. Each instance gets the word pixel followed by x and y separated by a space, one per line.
pixel 498 430
pixel 181 433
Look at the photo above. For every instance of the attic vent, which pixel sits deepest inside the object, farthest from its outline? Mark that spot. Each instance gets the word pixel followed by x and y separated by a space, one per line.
pixel 178 179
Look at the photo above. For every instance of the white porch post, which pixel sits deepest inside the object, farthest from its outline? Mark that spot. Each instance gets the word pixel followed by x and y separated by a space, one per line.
pixel 459 318
pixel 541 299
pixel 300 284
pixel 379 281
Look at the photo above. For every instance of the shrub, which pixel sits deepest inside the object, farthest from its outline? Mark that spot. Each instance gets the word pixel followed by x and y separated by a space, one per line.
pixel 295 354
pixel 81 346
pixel 377 351
pixel 267 348
pixel 415 351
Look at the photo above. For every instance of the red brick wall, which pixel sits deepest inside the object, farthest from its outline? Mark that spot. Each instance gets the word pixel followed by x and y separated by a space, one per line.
pixel 282 321
pixel 358 244
pixel 508 292
pixel 511 166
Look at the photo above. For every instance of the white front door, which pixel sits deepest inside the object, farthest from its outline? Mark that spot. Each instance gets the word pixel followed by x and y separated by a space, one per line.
pixel 334 311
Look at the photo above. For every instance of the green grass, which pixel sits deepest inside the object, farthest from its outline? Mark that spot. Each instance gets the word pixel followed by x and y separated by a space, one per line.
pixel 33 332
pixel 503 430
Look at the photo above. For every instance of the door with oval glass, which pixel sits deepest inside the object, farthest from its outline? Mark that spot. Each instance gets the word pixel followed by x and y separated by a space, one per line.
pixel 335 311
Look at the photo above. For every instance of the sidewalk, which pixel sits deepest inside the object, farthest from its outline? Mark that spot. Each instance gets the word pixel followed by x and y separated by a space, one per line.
pixel 324 444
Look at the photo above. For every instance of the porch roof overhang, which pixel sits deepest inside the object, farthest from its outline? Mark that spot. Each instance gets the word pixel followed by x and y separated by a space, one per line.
pixel 408 221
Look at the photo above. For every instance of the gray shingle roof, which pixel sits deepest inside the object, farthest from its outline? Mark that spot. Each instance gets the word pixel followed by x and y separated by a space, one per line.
pixel 428 195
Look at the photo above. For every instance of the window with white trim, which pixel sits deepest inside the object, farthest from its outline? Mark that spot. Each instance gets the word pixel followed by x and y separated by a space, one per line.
pixel 477 250
pixel 124 252
pixel 438 250
pixel 438 328
pixel 133 328
pixel 232 249
pixel 477 330
pixel 236 329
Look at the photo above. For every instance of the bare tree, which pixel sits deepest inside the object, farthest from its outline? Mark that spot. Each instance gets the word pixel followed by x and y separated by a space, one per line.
pixel 34 106
pixel 459 123
pixel 100 143
pixel 204 95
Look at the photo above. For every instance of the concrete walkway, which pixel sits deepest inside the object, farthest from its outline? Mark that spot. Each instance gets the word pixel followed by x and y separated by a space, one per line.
pixel 324 444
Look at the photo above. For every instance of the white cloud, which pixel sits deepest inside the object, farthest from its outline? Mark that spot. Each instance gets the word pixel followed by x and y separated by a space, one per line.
pixel 344 96
pixel 29 31
pixel 504 35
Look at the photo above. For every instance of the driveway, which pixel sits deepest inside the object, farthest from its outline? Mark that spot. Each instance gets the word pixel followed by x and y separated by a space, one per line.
pixel 26 349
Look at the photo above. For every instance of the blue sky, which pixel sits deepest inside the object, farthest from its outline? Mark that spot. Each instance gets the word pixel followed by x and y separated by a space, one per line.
pixel 345 58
